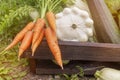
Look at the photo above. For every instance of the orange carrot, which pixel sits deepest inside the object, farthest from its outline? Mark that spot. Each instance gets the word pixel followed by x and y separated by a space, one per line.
pixel 37 30
pixel 20 35
pixel 37 43
pixel 26 42
pixel 54 36
pixel 51 20
pixel 53 46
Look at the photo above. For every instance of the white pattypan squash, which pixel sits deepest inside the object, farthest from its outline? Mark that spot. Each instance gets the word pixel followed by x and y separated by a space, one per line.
pixel 74 24
pixel 108 74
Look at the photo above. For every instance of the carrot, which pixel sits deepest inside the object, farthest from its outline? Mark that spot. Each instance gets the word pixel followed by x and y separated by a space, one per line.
pixel 25 42
pixel 51 20
pixel 20 35
pixel 54 36
pixel 53 46
pixel 37 29
pixel 35 45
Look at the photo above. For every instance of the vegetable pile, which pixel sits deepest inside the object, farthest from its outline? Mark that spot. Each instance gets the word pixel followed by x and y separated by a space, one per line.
pixel 43 25
pixel 32 21
pixel 33 33
pixel 15 14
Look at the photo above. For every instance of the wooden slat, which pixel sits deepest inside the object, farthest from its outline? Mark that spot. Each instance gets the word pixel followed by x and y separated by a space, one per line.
pixel 32 63
pixel 104 24
pixel 80 51
pixel 88 67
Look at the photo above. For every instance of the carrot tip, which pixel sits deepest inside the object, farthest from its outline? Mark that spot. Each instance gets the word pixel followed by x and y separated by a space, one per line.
pixel 6 49
pixel 62 67
pixel 33 51
pixel 19 57
pixel 32 54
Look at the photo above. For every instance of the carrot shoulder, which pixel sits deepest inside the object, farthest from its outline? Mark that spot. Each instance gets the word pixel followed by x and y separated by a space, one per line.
pixel 20 35
pixel 37 43
pixel 26 42
pixel 37 29
pixel 53 46
pixel 51 20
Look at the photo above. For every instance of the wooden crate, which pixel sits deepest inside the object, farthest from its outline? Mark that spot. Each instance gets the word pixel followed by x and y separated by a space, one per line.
pixel 89 56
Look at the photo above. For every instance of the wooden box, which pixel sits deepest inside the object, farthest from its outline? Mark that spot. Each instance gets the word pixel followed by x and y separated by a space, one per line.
pixel 89 56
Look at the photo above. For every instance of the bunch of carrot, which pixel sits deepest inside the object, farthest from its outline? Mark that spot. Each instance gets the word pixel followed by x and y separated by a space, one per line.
pixel 33 33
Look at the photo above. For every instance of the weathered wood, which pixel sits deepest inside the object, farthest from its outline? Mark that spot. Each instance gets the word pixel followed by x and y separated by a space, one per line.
pixel 32 63
pixel 80 51
pixel 105 25
pixel 89 67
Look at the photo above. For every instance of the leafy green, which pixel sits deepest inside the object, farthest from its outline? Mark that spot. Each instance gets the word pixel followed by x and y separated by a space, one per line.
pixel 11 68
pixel 74 76
pixel 68 2
pixel 18 15
pixel 1 78
pixel 8 77
pixel 6 5
pixel 4 70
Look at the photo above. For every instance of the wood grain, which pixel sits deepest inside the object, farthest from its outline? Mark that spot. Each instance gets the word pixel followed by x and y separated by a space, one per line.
pixel 80 51
pixel 88 67
pixel 104 23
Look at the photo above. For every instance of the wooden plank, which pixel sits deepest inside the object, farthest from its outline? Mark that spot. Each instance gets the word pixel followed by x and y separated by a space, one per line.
pixel 105 25
pixel 32 63
pixel 80 51
pixel 88 67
